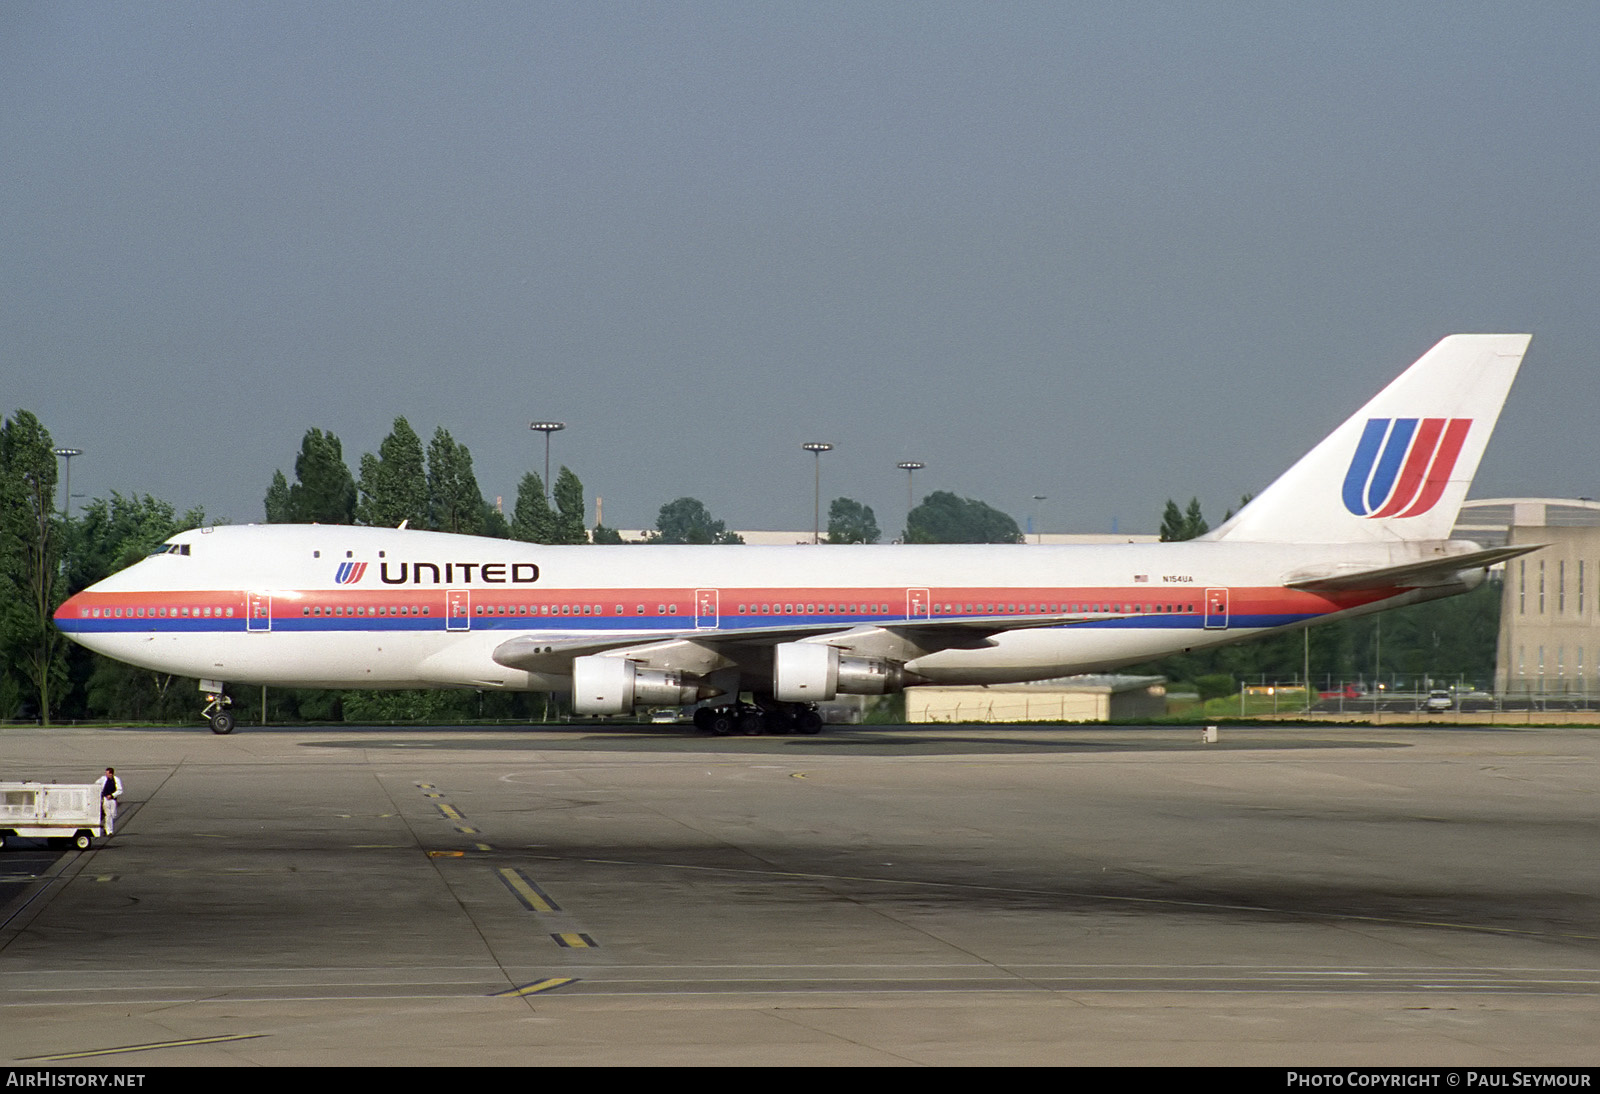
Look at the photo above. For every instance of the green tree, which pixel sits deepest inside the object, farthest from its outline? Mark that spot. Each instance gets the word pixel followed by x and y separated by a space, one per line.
pixel 851 522
pixel 569 509
pixel 110 535
pixel 945 518
pixel 1177 526
pixel 394 483
pixel 1455 636
pixel 687 520
pixel 120 691
pixel 276 503
pixel 454 500
pixel 30 569
pixel 494 524
pixel 324 492
pixel 407 706
pixel 533 521
pixel 605 535
pixel 1172 523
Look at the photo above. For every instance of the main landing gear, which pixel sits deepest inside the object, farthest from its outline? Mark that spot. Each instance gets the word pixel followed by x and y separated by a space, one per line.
pixel 216 709
pixel 752 720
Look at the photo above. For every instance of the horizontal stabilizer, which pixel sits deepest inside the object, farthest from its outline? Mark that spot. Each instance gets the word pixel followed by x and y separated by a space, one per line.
pixel 1411 575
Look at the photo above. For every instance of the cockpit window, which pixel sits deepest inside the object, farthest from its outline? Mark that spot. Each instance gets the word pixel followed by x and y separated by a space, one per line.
pixel 170 549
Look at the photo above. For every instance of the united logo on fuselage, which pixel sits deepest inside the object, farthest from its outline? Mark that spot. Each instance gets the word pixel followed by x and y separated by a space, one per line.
pixel 1402 465
pixel 446 573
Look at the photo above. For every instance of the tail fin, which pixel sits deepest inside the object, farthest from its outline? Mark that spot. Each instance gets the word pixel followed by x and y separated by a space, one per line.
pixel 1400 468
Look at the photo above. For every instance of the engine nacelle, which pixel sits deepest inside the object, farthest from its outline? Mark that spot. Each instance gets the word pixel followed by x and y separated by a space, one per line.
pixel 615 685
pixel 809 672
pixel 805 672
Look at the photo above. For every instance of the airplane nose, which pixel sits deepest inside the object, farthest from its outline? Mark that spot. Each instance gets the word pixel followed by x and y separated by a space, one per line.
pixel 71 610
pixel 78 614
pixel 76 619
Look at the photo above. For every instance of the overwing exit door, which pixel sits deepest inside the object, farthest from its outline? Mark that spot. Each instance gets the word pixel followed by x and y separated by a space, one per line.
pixel 917 603
pixel 706 605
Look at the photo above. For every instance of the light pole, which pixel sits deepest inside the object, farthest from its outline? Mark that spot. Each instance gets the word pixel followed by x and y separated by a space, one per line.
pixel 817 448
pixel 910 467
pixel 547 428
pixel 66 499
pixel 1038 535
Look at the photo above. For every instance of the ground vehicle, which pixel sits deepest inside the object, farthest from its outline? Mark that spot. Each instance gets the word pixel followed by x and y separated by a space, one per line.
pixel 1439 700
pixel 59 812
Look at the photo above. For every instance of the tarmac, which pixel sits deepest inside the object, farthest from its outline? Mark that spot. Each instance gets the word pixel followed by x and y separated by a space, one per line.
pixel 906 895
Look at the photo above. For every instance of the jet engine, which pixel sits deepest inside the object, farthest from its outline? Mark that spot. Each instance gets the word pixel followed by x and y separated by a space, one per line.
pixel 615 685
pixel 809 672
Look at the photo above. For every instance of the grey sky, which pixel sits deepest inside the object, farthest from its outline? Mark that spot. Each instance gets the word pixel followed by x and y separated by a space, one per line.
pixel 1109 253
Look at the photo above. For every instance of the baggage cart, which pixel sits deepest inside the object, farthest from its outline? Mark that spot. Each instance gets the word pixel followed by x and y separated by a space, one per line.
pixel 59 812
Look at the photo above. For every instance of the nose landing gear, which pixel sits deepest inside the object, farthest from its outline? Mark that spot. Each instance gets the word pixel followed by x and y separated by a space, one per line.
pixel 216 708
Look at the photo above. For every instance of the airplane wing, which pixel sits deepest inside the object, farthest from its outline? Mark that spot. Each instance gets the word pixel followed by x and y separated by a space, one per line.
pixel 1433 571
pixel 533 653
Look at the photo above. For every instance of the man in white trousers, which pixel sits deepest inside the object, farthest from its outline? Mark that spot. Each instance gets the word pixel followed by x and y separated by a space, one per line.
pixel 110 790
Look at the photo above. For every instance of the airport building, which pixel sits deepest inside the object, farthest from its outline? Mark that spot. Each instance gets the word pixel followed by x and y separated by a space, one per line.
pixel 1550 614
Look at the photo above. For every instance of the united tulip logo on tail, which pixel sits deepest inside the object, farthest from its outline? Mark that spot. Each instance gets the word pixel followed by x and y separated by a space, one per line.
pixel 350 572
pixel 1402 465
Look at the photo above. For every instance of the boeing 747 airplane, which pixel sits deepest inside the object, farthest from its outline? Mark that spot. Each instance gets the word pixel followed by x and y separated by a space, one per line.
pixel 759 635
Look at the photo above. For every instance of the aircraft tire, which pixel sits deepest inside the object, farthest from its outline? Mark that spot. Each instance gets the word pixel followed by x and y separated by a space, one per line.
pixel 808 722
pixel 752 724
pixel 222 722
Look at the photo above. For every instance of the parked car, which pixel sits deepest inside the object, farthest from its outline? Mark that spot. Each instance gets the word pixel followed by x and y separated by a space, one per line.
pixel 1439 700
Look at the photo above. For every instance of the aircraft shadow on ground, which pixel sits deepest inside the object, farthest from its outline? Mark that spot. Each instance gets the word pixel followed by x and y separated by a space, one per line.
pixel 850 742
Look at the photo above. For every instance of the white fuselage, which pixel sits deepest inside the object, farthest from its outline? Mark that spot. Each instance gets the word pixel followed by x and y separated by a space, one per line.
pixel 1359 523
pixel 340 607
